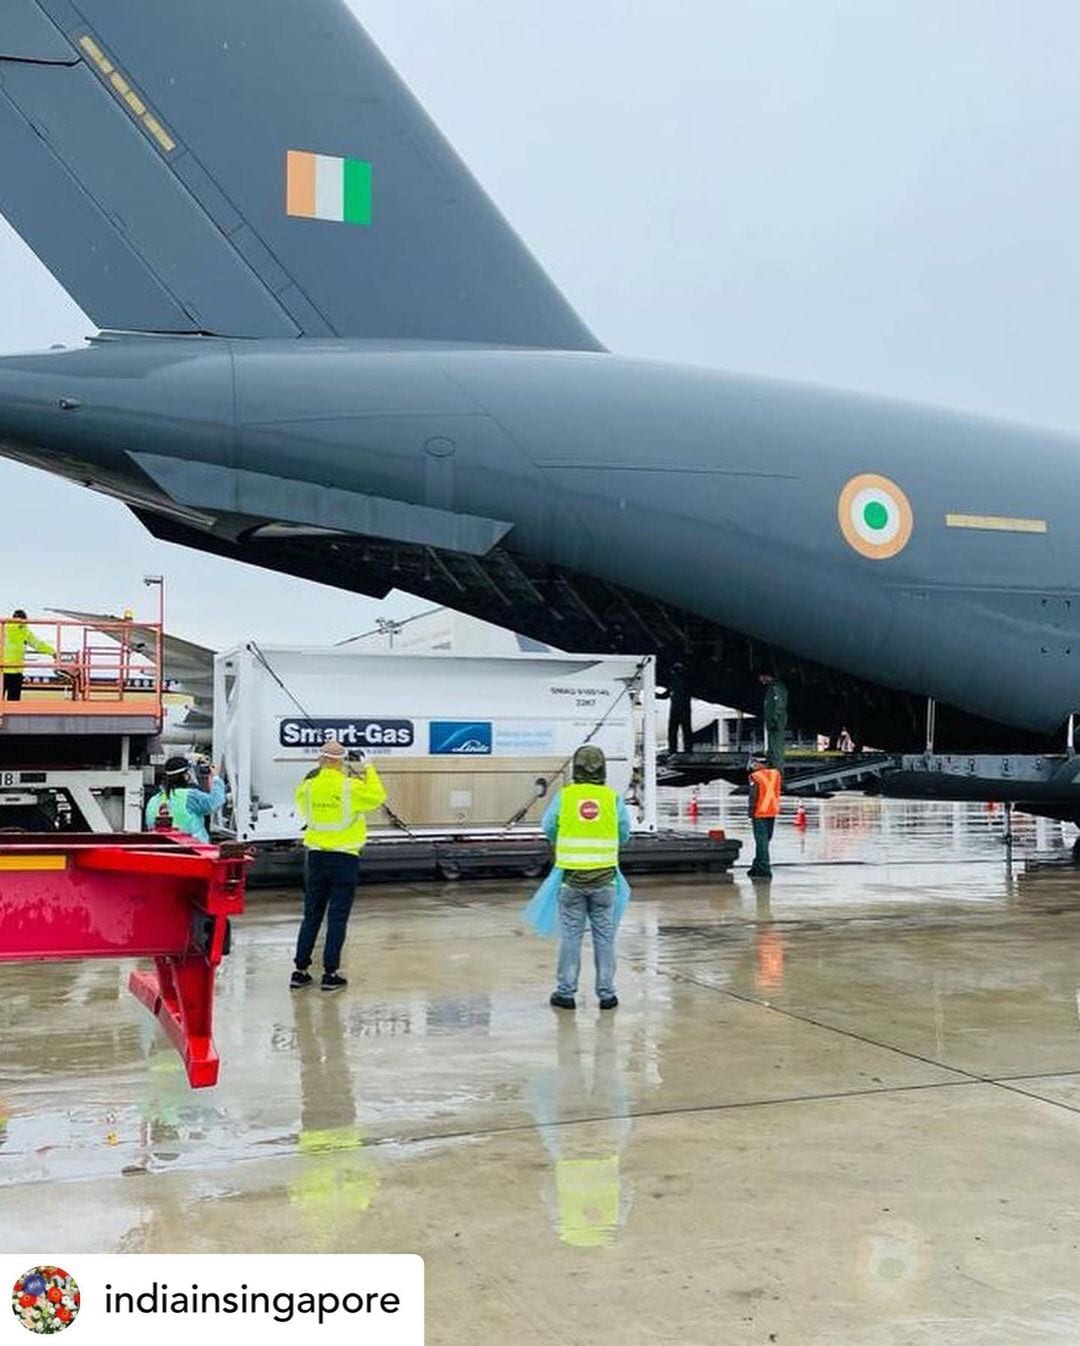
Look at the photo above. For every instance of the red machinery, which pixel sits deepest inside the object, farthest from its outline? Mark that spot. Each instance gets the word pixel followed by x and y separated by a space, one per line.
pixel 157 895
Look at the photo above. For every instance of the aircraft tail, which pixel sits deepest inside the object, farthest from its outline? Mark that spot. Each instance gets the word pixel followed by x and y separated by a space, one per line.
pixel 251 168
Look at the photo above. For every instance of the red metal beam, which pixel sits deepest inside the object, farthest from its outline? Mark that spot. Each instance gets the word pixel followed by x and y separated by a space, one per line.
pixel 160 896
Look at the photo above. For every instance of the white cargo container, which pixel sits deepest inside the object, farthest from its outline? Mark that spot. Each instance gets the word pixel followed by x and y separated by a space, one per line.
pixel 462 743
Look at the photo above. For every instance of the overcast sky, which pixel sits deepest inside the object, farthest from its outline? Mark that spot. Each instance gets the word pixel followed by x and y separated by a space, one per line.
pixel 877 194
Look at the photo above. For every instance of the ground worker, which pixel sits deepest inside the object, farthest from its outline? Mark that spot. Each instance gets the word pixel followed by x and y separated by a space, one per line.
pixel 679 713
pixel 17 636
pixel 189 806
pixel 332 801
pixel 586 822
pixel 774 714
pixel 764 808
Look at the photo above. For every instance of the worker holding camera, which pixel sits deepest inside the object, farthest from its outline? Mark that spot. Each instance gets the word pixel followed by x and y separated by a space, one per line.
pixel 332 802
pixel 189 796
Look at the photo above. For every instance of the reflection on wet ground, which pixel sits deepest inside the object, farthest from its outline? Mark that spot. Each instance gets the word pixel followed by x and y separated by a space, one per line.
pixel 840 1108
pixel 857 829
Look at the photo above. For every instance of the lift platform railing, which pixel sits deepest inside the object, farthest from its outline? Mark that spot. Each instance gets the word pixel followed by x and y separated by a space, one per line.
pixel 107 668
pixel 159 895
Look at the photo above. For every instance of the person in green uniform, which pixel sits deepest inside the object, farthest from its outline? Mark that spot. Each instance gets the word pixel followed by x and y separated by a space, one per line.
pixel 764 809
pixel 774 715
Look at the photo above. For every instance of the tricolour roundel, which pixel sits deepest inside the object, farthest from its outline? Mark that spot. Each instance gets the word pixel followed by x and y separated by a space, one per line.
pixel 588 810
pixel 875 516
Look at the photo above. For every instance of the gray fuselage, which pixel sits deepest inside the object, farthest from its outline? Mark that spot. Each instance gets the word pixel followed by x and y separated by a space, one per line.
pixel 713 493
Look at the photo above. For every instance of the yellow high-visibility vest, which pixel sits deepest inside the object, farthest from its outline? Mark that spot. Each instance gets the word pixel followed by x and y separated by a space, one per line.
pixel 588 836
pixel 17 635
pixel 333 805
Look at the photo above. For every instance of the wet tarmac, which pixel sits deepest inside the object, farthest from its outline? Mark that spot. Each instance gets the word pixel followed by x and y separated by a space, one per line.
pixel 843 1108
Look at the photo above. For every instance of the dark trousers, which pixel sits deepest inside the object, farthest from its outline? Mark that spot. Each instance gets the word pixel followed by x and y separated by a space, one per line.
pixel 679 722
pixel 763 830
pixel 329 891
pixel 13 686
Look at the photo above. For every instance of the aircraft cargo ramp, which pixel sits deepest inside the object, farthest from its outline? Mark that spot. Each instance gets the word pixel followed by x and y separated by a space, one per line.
pixel 1046 784
pixel 805 773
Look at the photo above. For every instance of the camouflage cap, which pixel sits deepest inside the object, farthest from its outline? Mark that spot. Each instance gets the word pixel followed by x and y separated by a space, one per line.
pixel 590 765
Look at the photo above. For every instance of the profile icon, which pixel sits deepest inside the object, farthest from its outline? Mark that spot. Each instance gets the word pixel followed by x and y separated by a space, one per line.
pixel 46 1300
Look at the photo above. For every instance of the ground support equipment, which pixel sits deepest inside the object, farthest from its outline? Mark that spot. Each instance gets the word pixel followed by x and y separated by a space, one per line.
pixel 157 895
pixel 396 859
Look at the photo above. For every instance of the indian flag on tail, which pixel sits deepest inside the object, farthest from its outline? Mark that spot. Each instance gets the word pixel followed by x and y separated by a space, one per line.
pixel 320 187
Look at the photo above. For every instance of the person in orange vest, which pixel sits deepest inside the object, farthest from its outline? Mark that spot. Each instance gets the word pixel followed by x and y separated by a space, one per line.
pixel 764 808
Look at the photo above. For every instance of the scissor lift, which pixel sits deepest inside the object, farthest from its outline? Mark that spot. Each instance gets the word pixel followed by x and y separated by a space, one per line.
pixel 74 746
pixel 159 896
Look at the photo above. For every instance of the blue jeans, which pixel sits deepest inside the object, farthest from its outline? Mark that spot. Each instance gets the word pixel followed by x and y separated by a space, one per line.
pixel 576 905
pixel 329 891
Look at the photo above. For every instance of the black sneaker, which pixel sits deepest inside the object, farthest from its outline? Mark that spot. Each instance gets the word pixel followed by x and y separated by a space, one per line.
pixel 609 1002
pixel 299 980
pixel 563 1001
pixel 331 981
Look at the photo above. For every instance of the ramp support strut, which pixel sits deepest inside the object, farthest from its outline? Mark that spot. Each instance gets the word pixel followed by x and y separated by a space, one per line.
pixel 161 896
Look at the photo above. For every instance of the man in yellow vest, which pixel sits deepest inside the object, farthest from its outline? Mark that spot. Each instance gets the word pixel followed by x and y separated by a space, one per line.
pixel 17 636
pixel 764 808
pixel 587 822
pixel 332 803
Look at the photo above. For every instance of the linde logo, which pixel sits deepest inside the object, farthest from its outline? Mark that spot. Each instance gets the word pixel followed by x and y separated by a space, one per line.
pixel 349 733
pixel 454 737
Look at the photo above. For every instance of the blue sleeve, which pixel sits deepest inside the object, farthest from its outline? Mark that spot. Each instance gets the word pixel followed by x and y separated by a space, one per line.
pixel 205 802
pixel 625 825
pixel 550 822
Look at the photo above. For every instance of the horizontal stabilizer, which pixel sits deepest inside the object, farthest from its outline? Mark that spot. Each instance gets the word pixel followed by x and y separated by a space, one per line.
pixel 27 34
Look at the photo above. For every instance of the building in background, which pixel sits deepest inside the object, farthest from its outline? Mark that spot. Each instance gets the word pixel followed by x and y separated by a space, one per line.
pixel 444 631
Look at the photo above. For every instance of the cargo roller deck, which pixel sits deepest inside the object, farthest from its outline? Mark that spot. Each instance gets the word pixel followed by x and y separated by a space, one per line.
pixel 1049 782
